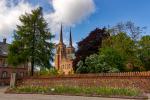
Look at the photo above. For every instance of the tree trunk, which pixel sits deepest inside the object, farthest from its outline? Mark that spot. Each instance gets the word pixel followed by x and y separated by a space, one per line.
pixel 32 68
pixel 33 48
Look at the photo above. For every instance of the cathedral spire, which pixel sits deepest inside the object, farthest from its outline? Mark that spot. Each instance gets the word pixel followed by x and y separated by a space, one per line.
pixel 70 39
pixel 61 36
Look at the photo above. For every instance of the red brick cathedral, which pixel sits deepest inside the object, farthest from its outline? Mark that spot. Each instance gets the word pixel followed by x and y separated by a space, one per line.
pixel 64 55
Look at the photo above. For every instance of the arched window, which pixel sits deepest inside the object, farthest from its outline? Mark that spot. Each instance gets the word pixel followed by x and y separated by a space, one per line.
pixel 4 74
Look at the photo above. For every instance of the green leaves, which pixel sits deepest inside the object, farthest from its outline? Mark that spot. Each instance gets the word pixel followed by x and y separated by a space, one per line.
pixel 101 63
pixel 144 51
pixel 32 41
pixel 112 58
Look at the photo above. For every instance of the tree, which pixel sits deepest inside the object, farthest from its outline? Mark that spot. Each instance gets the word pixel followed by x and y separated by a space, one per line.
pixel 122 43
pixel 90 45
pixel 112 58
pixel 81 68
pixel 103 63
pixel 128 27
pixel 128 49
pixel 144 51
pixel 32 42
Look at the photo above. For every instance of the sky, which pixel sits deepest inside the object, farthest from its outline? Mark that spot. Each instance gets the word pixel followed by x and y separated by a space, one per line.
pixel 82 16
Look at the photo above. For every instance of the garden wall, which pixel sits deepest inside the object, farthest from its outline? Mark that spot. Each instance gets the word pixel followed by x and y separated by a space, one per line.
pixel 140 80
pixel 5 73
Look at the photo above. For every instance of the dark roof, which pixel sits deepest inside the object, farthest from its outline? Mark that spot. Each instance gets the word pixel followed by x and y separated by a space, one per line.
pixel 3 49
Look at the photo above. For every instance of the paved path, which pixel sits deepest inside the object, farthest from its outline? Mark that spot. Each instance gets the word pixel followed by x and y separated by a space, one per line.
pixel 46 97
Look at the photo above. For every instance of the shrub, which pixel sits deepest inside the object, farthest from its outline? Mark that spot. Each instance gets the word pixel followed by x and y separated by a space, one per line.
pixel 48 72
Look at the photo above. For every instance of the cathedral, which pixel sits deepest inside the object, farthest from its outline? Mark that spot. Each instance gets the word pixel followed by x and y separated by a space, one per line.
pixel 64 56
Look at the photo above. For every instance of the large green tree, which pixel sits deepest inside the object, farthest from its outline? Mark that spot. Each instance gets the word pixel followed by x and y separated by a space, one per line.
pixel 144 51
pixel 127 47
pixel 32 42
pixel 122 43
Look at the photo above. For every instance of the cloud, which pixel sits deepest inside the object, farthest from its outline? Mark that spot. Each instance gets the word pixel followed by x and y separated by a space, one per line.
pixel 9 15
pixel 69 12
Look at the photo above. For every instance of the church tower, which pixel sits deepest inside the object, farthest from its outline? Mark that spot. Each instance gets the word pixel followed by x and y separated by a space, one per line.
pixel 64 56
pixel 70 50
pixel 60 50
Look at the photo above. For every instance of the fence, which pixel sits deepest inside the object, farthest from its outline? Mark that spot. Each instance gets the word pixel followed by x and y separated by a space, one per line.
pixel 140 80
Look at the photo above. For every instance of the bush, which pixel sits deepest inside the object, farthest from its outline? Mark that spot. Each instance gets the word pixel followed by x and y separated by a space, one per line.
pixel 48 72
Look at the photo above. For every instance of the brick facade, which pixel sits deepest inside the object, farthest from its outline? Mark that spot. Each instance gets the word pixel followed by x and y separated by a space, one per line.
pixel 64 56
pixel 5 69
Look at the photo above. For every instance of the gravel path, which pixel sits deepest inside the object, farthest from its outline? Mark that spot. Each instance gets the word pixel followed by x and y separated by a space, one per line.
pixel 46 97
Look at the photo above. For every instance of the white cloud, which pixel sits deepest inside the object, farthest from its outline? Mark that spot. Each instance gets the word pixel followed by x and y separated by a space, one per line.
pixel 9 15
pixel 69 12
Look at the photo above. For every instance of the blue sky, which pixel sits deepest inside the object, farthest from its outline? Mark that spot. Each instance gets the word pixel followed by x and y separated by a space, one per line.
pixel 110 12
pixel 107 12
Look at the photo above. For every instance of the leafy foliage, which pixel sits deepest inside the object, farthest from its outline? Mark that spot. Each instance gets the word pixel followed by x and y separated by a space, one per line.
pixel 112 58
pixel 127 48
pixel 90 45
pixel 119 52
pixel 100 63
pixel 31 41
pixel 144 51
pixel 48 72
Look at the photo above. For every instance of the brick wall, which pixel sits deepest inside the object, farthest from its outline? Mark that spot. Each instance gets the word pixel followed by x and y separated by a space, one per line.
pixel 140 80
pixel 9 70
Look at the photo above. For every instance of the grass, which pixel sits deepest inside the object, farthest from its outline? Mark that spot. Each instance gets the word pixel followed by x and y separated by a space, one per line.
pixel 103 91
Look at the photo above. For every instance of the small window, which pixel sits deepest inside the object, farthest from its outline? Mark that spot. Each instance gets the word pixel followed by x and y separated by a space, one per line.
pixel 4 74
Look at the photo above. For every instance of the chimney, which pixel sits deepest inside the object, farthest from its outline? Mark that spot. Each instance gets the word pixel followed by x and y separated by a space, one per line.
pixel 4 40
